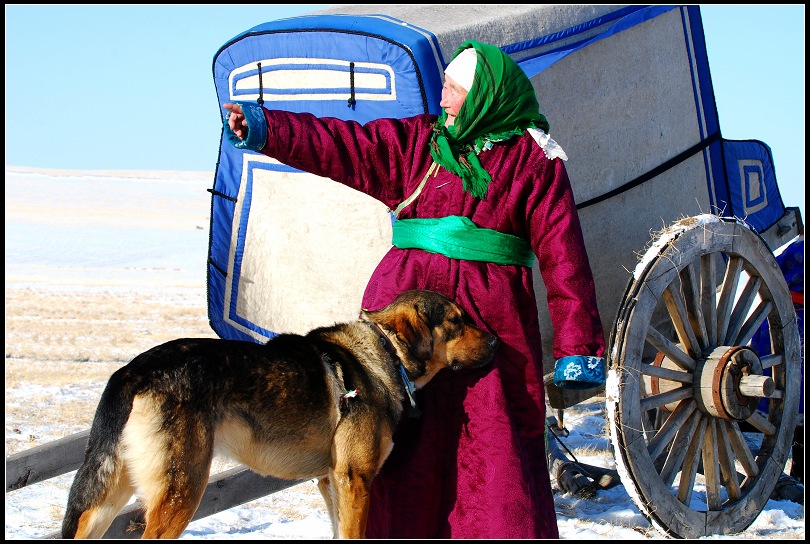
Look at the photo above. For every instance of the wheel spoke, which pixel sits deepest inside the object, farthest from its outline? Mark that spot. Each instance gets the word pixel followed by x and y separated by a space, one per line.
pixel 648 424
pixel 741 308
pixel 676 306
pixel 672 351
pixel 711 467
pixel 762 424
pixel 656 401
pixel 677 453
pixel 726 458
pixel 708 296
pixel 741 448
pixel 690 465
pixel 667 374
pixel 727 293
pixel 670 427
pixel 694 309
pixel 759 315
pixel 772 360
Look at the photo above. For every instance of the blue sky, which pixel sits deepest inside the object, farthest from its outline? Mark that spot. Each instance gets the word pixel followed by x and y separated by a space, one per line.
pixel 130 87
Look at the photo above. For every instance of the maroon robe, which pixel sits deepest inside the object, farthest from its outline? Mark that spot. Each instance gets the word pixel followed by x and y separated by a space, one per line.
pixel 474 465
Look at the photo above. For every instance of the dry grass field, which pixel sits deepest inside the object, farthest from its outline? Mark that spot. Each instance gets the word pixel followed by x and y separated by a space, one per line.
pixel 66 339
pixel 100 266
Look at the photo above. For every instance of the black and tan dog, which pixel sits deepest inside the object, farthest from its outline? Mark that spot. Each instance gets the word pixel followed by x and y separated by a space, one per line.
pixel 322 405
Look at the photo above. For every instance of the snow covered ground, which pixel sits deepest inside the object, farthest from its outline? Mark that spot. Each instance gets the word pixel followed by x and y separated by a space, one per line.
pixel 124 235
pixel 298 512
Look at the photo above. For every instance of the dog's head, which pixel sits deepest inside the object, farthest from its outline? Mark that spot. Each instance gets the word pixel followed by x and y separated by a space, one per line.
pixel 431 332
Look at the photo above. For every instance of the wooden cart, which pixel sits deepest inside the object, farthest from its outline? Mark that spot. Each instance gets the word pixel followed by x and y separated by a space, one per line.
pixel 681 224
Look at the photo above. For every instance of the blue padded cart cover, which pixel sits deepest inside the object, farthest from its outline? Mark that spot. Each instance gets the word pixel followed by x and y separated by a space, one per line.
pixel 358 68
pixel 627 90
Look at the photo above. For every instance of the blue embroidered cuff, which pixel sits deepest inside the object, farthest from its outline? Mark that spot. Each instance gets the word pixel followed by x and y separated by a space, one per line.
pixel 256 128
pixel 579 372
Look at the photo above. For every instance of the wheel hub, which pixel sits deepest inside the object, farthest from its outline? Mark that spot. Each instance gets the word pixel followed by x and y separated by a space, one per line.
pixel 729 383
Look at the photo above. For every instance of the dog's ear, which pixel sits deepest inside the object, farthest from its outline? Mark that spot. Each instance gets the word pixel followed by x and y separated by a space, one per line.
pixel 409 318
pixel 414 329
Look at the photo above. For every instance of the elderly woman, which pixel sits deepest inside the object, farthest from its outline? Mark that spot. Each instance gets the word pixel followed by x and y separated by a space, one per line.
pixel 478 192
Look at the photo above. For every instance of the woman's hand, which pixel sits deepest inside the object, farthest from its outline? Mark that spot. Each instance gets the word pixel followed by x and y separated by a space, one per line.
pixel 236 120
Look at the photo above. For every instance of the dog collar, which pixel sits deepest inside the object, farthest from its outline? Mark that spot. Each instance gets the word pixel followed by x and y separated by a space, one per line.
pixel 385 341
pixel 413 411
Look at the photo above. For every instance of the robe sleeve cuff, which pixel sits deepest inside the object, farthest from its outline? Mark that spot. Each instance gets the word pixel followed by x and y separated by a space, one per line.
pixel 256 128
pixel 578 372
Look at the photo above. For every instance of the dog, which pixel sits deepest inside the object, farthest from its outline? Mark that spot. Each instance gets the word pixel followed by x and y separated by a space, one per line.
pixel 322 406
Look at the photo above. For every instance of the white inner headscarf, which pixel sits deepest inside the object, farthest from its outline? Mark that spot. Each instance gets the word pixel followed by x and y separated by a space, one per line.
pixel 462 68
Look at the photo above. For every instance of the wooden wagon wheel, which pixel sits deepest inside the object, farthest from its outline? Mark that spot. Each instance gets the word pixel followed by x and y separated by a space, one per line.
pixel 693 451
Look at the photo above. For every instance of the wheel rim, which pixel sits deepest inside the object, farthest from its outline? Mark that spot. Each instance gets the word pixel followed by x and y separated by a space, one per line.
pixel 692 450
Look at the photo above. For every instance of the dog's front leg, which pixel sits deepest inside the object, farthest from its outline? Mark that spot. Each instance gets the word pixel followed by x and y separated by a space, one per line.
pixel 350 487
pixel 326 492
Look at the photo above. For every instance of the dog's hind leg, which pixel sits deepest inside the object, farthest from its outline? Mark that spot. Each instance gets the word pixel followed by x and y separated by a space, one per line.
pixel 168 515
pixel 102 485
pixel 169 453
pixel 172 496
pixel 93 520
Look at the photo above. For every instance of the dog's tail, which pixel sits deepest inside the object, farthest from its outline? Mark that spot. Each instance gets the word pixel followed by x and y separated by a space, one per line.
pixel 101 487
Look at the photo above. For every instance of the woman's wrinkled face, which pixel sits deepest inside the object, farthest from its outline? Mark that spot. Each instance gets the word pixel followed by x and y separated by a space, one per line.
pixel 453 96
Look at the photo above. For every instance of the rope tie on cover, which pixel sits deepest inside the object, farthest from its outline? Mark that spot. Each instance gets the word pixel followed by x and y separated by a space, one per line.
pixel 260 100
pixel 352 100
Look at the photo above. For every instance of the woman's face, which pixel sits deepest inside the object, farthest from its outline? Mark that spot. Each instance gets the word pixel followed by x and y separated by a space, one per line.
pixel 453 96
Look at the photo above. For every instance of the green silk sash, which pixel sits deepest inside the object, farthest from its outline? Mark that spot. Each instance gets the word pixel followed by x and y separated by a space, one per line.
pixel 459 238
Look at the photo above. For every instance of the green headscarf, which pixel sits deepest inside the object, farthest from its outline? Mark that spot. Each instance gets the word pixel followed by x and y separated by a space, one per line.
pixel 501 104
